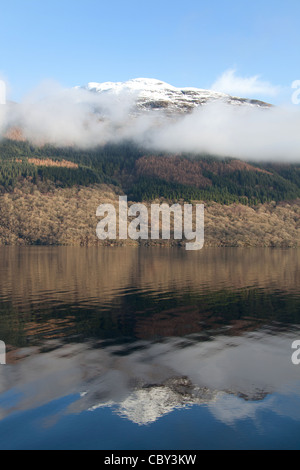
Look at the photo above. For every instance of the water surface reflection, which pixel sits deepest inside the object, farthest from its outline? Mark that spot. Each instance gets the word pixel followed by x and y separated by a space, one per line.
pixel 147 332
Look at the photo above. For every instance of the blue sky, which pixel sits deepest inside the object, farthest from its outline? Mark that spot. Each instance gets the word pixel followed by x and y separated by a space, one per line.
pixel 251 47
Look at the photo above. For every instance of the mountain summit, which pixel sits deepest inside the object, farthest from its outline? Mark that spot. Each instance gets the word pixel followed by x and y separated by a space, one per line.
pixel 155 94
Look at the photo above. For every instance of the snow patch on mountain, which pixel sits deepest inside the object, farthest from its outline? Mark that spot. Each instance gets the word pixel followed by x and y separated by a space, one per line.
pixel 152 94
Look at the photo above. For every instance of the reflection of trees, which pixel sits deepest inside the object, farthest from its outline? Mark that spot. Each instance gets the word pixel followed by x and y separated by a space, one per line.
pixel 143 292
pixel 99 274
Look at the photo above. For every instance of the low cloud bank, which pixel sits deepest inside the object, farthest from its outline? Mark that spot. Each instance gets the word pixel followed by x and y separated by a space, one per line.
pixel 241 132
pixel 79 117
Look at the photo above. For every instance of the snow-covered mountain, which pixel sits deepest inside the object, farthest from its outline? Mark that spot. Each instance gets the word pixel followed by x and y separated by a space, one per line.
pixel 141 110
pixel 157 95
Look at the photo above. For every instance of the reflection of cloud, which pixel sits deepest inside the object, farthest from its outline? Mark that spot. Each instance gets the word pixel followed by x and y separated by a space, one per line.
pixel 229 408
pixel 156 378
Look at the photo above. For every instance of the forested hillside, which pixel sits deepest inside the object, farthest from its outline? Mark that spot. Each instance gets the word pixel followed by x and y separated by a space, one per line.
pixel 145 175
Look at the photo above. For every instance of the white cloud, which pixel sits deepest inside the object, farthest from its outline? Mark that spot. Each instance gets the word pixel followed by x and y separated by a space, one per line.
pixel 64 117
pixel 241 132
pixel 232 84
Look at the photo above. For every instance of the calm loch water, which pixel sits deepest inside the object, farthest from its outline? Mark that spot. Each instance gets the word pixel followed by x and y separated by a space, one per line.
pixel 149 348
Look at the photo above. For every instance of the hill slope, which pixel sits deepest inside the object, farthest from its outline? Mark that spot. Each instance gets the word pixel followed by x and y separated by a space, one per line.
pixel 143 175
pixel 49 196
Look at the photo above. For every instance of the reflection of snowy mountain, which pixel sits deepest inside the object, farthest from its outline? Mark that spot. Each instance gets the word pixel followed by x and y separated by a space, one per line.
pixel 146 405
pixel 232 376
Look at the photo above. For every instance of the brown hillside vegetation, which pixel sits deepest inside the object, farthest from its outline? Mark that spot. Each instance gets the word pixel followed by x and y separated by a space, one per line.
pixel 68 217
pixel 15 133
pixel 48 162
pixel 173 169
pixel 190 172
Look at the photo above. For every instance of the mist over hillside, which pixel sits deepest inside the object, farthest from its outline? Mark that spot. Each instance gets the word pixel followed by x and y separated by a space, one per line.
pixel 156 116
